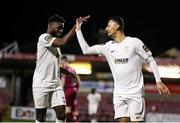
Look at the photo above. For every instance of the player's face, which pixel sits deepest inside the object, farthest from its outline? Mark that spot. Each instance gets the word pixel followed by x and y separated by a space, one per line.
pixel 111 28
pixel 57 28
pixel 64 62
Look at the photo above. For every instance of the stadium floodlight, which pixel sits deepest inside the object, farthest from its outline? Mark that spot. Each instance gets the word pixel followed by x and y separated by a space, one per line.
pixel 82 67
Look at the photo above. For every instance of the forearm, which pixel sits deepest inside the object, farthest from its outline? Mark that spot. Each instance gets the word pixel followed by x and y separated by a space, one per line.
pixel 153 65
pixel 83 44
pixel 86 49
pixel 69 35
pixel 78 80
pixel 66 72
pixel 61 41
pixel 63 82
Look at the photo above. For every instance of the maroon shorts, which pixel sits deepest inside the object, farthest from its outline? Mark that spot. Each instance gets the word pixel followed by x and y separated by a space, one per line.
pixel 70 95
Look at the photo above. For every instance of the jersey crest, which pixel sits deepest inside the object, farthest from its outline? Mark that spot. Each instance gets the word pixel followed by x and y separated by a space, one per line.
pixel 146 49
pixel 126 48
pixel 48 38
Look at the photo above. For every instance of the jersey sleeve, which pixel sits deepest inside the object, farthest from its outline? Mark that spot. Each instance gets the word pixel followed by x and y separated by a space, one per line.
pixel 100 48
pixel 142 50
pixel 47 39
pixel 154 67
pixel 86 49
pixel 146 54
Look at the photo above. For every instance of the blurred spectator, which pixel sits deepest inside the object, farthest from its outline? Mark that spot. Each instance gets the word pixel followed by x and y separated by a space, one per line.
pixel 94 99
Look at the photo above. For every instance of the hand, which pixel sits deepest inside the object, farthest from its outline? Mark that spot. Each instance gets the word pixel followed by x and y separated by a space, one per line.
pixel 75 77
pixel 80 20
pixel 162 89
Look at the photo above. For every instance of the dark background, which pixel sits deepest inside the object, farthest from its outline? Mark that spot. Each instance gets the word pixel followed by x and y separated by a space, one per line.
pixel 155 23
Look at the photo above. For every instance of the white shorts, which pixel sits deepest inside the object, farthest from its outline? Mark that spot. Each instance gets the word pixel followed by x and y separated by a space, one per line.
pixel 48 97
pixel 92 109
pixel 129 107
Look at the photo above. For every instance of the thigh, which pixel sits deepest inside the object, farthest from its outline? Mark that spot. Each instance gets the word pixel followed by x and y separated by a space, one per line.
pixel 70 95
pixel 137 109
pixel 92 109
pixel 121 109
pixel 41 98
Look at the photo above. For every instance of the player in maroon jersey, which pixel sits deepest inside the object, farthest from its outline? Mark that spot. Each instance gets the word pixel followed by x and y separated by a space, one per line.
pixel 71 87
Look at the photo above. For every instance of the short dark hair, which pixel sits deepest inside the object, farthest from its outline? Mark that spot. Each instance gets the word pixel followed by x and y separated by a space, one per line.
pixel 93 90
pixel 56 18
pixel 64 57
pixel 119 21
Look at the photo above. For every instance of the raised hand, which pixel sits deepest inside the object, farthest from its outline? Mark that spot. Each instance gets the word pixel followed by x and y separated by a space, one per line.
pixel 80 20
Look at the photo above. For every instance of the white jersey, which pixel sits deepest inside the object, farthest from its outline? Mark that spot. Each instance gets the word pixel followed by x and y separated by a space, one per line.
pixel 93 104
pixel 47 71
pixel 125 61
pixel 94 99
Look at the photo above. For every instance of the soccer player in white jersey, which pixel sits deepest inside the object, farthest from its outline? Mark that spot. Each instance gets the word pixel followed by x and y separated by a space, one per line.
pixel 94 99
pixel 47 90
pixel 124 55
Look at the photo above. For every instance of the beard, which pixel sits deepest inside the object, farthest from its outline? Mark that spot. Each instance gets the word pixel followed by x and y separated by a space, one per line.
pixel 58 34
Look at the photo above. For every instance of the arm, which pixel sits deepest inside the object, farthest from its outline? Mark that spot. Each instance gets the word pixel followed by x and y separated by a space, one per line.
pixel 162 89
pixel 78 79
pixel 62 78
pixel 86 49
pixel 143 51
pixel 61 41
pixel 154 68
pixel 66 72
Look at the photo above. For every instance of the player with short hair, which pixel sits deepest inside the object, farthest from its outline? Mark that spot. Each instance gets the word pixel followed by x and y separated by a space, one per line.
pixel 47 91
pixel 124 55
pixel 71 87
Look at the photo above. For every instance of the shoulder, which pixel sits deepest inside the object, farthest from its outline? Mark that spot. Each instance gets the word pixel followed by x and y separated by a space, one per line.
pixel 134 40
pixel 45 36
pixel 107 43
pixel 110 42
pixel 70 69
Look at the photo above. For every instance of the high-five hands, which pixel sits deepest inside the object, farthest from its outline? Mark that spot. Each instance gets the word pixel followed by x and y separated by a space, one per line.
pixel 80 20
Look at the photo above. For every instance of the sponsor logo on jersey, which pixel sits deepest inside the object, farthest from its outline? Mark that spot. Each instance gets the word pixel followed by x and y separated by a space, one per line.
pixel 121 61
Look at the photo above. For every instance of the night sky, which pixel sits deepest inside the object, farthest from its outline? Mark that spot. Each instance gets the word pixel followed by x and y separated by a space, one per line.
pixel 156 24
